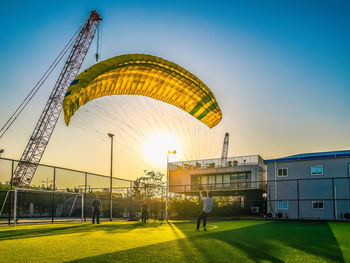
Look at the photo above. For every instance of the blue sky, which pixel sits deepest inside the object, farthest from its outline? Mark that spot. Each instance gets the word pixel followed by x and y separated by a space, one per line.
pixel 279 69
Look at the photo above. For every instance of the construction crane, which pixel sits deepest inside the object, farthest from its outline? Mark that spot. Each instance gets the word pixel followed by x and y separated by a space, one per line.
pixel 225 150
pixel 43 130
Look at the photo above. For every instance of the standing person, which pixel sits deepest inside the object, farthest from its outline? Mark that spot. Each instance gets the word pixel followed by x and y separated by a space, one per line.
pixel 96 209
pixel 207 206
pixel 144 212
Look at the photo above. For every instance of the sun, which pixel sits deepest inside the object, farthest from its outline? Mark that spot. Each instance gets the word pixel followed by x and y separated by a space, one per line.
pixel 157 147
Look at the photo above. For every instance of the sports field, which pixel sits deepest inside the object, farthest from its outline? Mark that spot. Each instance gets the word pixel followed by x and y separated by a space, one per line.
pixel 176 241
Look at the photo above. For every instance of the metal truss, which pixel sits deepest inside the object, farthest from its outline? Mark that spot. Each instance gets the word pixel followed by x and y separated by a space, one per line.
pixel 40 137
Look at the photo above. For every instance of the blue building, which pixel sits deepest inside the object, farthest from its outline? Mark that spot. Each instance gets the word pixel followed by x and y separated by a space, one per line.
pixel 309 186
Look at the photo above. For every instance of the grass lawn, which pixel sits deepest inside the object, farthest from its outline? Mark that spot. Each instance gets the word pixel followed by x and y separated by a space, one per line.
pixel 176 241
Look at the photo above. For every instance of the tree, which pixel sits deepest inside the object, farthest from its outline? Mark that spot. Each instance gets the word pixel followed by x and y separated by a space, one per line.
pixel 147 187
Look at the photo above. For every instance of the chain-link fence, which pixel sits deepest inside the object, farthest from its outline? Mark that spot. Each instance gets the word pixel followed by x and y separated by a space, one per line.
pixel 59 194
pixel 66 189
pixel 284 199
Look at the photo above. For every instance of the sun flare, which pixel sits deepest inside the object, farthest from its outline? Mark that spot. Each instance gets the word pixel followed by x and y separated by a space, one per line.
pixel 157 147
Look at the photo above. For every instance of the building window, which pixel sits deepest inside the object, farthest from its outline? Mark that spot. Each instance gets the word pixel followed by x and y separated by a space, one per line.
pixel 282 172
pixel 211 179
pixel 318 204
pixel 317 170
pixel 282 205
pixel 219 181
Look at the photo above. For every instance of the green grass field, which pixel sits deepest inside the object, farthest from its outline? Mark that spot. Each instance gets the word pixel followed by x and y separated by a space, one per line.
pixel 176 241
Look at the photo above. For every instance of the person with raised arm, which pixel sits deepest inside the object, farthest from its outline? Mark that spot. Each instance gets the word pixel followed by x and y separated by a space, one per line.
pixel 207 207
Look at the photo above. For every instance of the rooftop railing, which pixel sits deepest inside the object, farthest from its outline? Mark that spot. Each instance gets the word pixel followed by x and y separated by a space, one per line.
pixel 217 163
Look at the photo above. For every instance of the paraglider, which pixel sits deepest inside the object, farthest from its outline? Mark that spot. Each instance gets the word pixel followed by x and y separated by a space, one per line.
pixel 146 75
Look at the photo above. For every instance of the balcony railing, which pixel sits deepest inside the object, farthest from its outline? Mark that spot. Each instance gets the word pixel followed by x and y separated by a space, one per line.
pixel 216 163
pixel 217 186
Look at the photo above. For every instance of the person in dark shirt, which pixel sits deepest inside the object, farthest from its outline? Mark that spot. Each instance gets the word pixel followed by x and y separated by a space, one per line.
pixel 96 209
pixel 144 212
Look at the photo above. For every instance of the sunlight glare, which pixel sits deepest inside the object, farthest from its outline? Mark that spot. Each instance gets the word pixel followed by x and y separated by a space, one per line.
pixel 157 147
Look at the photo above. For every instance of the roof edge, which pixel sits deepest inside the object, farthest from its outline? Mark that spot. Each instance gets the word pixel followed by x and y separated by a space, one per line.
pixel 311 156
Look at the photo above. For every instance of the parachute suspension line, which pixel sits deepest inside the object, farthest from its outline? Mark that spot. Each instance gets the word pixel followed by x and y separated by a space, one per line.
pixel 174 124
pixel 139 132
pixel 145 114
pixel 103 114
pixel 88 122
pixel 197 143
pixel 106 114
pixel 125 114
pixel 207 143
pixel 85 122
pixel 39 84
pixel 188 136
pixel 169 127
pixel 165 119
pixel 137 127
pixel 150 111
pixel 154 112
pixel 126 148
pixel 100 134
pixel 143 80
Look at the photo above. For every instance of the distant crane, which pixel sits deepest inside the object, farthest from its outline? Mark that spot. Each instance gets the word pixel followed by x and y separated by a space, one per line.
pixel 225 150
pixel 36 146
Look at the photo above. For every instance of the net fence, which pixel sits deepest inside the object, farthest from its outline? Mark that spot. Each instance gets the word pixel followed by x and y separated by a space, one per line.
pixel 60 194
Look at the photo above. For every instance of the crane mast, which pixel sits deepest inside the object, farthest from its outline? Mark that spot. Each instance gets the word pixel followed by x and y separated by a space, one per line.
pixel 43 130
pixel 225 149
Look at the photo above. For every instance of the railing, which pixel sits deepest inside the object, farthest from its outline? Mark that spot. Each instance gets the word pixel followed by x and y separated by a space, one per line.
pixel 215 163
pixel 218 186
pixel 56 178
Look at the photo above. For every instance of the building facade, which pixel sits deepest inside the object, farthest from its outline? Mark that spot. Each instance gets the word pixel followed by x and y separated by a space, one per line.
pixel 312 186
pixel 242 178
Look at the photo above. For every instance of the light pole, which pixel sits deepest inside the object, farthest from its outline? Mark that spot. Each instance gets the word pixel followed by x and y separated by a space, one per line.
pixel 1 151
pixel 167 183
pixel 47 182
pixel 110 183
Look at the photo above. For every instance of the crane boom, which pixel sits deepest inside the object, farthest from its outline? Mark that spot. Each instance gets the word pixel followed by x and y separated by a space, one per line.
pixel 43 130
pixel 225 149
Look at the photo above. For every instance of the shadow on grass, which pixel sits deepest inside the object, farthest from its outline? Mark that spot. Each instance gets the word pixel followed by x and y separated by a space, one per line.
pixel 273 242
pixel 50 230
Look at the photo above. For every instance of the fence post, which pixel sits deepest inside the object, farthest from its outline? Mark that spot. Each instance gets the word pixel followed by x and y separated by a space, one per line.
pixel 15 208
pixel 298 199
pixel 110 186
pixel 11 187
pixel 111 200
pixel 85 196
pixel 162 210
pixel 53 195
pixel 333 195
pixel 82 208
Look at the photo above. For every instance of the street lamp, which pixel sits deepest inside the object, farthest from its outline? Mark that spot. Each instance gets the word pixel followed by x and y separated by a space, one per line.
pixel 1 151
pixel 110 183
pixel 167 183
pixel 47 182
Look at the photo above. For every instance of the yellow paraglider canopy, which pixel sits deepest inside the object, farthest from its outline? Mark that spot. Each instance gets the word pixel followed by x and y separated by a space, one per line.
pixel 140 74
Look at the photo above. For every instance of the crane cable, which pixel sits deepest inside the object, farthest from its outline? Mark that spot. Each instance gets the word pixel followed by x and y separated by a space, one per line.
pixel 98 42
pixel 39 84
